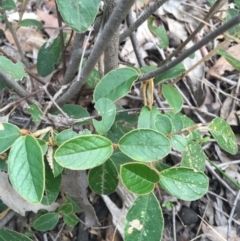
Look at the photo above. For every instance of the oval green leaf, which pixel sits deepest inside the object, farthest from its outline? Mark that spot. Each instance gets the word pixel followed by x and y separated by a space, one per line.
pixel 79 15
pixel 84 152
pixel 31 22
pixel 66 209
pixel 15 70
pixel 194 157
pixel 8 134
pixel 26 168
pixel 163 124
pixel 177 123
pixel 107 109
pixel 223 135
pixel 103 179
pixel 145 145
pixel 7 235
pixel 173 97
pixel 64 136
pixel 144 220
pixel 138 178
pixel 116 84
pixel 147 118
pixel 184 183
pixel 70 219
pixel 46 222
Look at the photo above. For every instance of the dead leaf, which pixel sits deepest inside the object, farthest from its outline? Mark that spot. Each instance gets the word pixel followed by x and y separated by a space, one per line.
pixel 222 64
pixel 15 202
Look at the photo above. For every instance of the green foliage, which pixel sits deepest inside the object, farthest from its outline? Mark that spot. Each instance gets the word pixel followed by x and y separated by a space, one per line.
pixel 31 22
pixel 116 146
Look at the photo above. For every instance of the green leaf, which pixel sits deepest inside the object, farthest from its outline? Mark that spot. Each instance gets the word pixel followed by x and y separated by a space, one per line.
pixel 147 117
pixel 176 120
pixel 211 2
pixel 178 142
pixel 170 74
pixel 93 78
pixel 8 4
pixel 173 97
pixel 10 235
pixel 187 122
pixel 230 59
pixel 116 84
pixel 231 13
pixel 148 68
pixel 84 152
pixel 3 85
pixel 43 145
pixel 15 71
pixel 160 166
pixel 237 2
pixel 76 112
pixel 48 57
pixel 107 109
pixel 76 206
pixel 46 222
pixel 8 134
pixel 103 179
pixel 66 209
pixel 26 168
pixel 138 178
pixel 194 157
pixel 224 135
pixel 31 22
pixel 79 15
pixel 144 220
pixel 64 136
pixel 163 124
pixel 145 145
pixel 52 186
pixel 71 219
pixel 184 183
pixel 158 32
pixel 35 112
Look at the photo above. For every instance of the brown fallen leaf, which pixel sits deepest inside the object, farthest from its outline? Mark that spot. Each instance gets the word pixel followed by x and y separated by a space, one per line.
pixel 222 64
pixel 15 202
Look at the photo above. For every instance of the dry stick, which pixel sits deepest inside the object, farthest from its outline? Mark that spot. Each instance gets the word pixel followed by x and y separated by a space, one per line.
pixel 115 20
pixel 75 58
pixel 144 16
pixel 231 215
pixel 234 21
pixel 59 18
pixel 217 5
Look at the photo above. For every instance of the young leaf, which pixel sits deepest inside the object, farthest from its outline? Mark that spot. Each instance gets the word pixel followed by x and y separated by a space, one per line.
pixel 159 32
pixel 66 209
pixel 178 142
pixel 107 109
pixel 48 57
pixel 184 183
pixel 138 177
pixel 8 5
pixel 52 186
pixel 76 206
pixel 147 118
pixel 7 235
pixel 144 220
pixel 170 74
pixel 187 122
pixel 46 222
pixel 173 97
pixel 145 145
pixel 26 168
pixel 79 15
pixel 8 134
pixel 193 157
pixel 224 135
pixel 103 179
pixel 163 124
pixel 71 219
pixel 16 71
pixel 84 152
pixel 115 84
